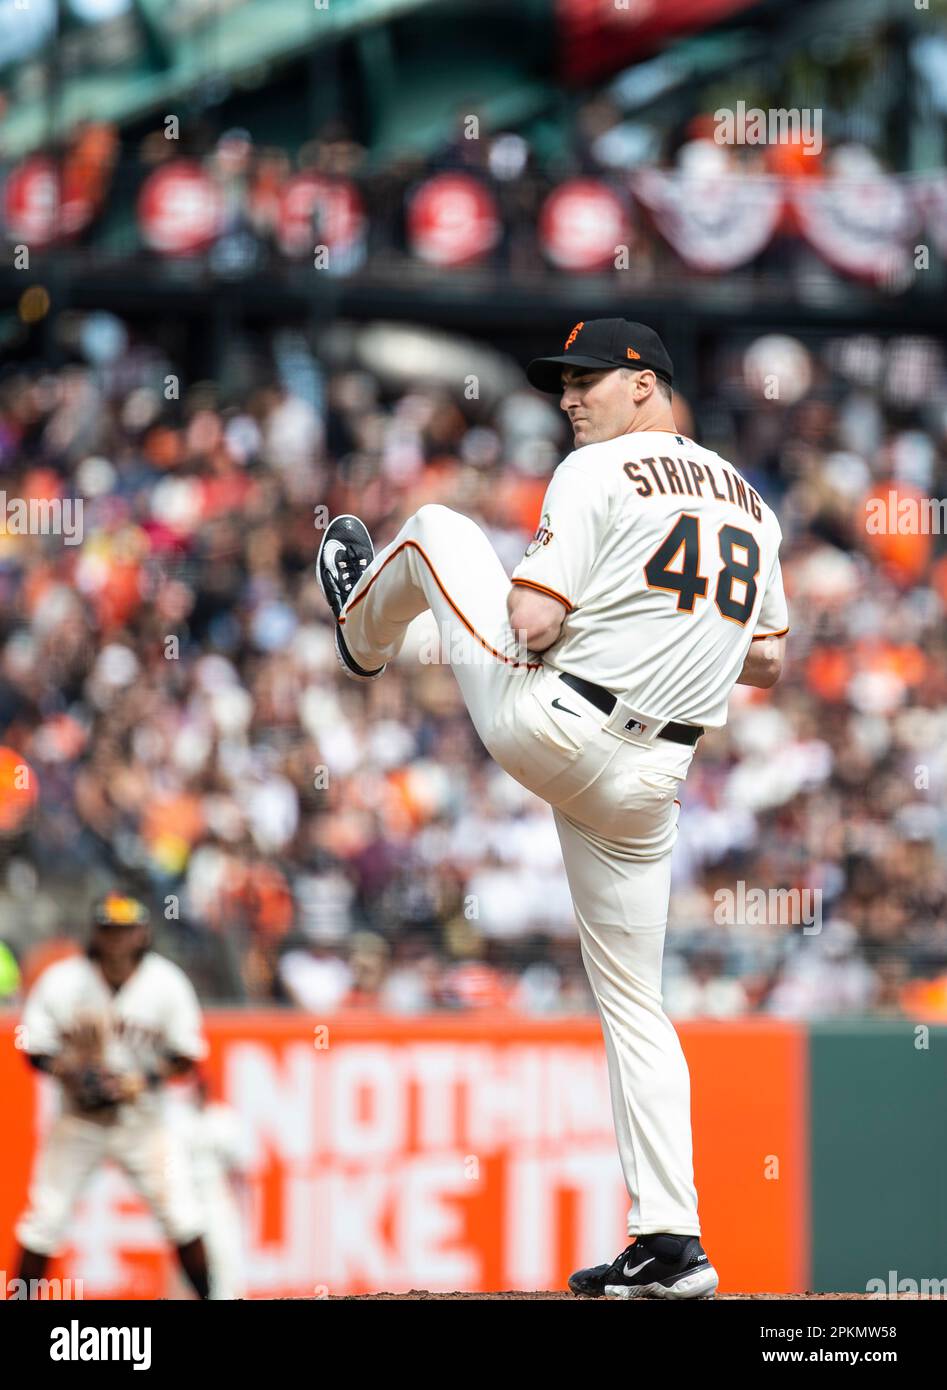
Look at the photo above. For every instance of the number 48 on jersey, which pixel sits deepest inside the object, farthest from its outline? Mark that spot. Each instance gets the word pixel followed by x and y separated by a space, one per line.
pixel 735 593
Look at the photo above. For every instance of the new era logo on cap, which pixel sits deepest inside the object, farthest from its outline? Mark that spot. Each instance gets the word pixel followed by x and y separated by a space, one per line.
pixel 604 344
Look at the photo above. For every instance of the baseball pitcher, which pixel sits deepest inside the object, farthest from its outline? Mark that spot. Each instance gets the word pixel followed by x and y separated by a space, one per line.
pixel 112 1026
pixel 651 587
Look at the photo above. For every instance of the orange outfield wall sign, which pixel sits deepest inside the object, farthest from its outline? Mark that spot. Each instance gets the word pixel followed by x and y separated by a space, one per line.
pixel 445 1153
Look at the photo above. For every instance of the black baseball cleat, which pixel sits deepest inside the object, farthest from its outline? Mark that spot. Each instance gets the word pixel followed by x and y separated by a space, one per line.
pixel 344 555
pixel 653 1266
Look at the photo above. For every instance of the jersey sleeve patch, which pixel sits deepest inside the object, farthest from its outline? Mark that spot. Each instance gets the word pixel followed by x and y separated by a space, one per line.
pixel 543 535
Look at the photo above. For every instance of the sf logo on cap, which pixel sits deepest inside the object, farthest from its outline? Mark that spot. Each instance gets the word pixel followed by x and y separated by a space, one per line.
pixel 574 334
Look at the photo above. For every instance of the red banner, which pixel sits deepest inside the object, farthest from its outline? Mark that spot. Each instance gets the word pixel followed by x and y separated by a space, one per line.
pixel 601 36
pixel 582 224
pixel 317 211
pixel 452 220
pixel 44 203
pixel 179 209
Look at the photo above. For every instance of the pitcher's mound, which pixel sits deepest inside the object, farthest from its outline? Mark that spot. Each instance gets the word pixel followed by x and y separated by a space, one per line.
pixel 416 1294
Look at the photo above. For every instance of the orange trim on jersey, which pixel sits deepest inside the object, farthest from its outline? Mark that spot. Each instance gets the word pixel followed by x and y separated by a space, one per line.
pixel 541 589
pixel 530 665
pixel 760 635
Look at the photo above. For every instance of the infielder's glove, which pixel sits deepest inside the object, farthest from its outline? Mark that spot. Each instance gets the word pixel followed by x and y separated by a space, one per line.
pixel 96 1089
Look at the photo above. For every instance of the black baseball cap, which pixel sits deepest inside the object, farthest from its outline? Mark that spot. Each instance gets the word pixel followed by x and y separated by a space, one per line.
pixel 600 344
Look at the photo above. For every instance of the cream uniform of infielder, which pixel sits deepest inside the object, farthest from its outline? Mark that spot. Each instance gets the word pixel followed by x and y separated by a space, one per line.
pixel 651 587
pixel 112 1025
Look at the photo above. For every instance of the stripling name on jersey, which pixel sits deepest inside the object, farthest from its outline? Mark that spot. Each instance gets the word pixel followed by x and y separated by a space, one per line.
pixel 667 562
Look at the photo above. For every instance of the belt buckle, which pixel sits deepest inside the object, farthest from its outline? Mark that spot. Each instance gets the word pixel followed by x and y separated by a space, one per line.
pixel 632 725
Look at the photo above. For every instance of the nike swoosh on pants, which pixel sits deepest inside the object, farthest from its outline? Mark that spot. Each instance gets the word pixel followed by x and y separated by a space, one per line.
pixel 565 708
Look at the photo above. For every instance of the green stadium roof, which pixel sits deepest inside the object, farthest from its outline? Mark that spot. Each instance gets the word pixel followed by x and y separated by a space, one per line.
pixel 167 65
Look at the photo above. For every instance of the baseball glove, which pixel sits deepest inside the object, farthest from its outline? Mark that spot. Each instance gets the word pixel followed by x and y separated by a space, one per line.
pixel 96 1089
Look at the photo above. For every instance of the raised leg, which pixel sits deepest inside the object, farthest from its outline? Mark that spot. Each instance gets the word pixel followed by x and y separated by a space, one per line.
pixel 441 560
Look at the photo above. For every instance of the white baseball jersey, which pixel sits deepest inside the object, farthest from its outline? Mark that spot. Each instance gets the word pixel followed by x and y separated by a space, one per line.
pixel 668 564
pixel 155 1012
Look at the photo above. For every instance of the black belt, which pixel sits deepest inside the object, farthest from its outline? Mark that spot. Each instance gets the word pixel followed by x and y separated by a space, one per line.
pixel 603 700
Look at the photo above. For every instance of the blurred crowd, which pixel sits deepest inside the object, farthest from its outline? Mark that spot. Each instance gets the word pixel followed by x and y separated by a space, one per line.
pixel 172 685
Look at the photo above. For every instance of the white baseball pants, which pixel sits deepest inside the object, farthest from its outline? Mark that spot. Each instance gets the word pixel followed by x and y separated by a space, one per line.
pixel 145 1147
pixel 615 809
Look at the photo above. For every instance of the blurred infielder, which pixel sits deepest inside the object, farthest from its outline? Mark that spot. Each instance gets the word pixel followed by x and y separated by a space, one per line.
pixel 112 1026
pixel 651 587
